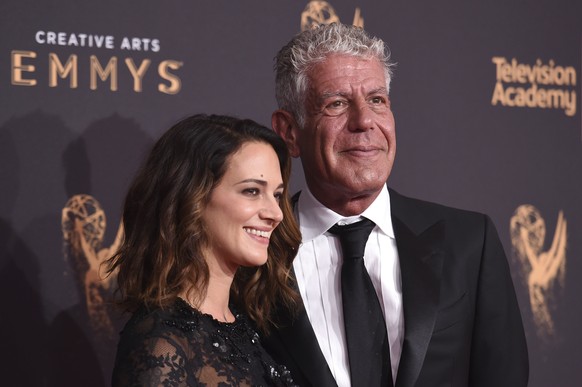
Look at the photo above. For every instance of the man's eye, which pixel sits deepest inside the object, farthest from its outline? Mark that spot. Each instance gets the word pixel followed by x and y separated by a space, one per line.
pixel 378 100
pixel 336 104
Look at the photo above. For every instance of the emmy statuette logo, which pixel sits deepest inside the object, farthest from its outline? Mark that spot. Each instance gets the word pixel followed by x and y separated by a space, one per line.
pixel 321 12
pixel 543 271
pixel 83 225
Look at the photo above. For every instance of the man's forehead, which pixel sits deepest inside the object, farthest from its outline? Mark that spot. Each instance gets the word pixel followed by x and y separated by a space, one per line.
pixel 344 80
pixel 341 67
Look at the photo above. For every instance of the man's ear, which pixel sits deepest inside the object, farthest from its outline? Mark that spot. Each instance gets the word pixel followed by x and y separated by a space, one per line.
pixel 285 126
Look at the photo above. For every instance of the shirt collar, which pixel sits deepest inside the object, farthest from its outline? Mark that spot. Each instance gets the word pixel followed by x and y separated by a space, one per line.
pixel 315 219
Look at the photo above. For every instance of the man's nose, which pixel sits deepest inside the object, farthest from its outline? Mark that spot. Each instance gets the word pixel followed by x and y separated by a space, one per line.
pixel 361 117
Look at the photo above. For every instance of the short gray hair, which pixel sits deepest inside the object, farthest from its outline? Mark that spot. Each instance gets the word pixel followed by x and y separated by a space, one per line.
pixel 313 46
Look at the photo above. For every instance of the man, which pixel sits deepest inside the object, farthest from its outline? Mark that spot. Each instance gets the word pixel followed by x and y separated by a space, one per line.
pixel 439 274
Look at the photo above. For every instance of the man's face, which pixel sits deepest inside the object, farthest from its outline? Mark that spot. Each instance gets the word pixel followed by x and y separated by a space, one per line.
pixel 348 144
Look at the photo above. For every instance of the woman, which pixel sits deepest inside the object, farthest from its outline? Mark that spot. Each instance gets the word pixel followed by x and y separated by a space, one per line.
pixel 209 240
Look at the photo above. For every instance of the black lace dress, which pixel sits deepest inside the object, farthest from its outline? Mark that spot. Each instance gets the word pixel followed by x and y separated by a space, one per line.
pixel 179 346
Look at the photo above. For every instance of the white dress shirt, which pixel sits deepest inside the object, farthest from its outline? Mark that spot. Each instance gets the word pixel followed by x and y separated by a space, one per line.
pixel 318 270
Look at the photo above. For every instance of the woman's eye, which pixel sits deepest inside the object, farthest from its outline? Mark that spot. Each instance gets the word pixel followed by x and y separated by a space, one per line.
pixel 251 191
pixel 278 196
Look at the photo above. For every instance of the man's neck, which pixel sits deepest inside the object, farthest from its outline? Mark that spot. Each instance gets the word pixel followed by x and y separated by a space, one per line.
pixel 346 205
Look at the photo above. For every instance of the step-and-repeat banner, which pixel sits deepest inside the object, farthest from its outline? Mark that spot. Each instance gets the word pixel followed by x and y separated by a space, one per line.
pixel 487 103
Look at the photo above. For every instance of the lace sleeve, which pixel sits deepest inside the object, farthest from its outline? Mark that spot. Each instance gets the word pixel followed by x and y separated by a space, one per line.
pixel 157 360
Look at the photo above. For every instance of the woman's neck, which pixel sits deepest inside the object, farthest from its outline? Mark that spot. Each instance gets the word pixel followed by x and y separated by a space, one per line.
pixel 217 299
pixel 216 302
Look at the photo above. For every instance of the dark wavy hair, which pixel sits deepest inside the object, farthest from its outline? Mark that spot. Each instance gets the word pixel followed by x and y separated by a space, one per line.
pixel 161 254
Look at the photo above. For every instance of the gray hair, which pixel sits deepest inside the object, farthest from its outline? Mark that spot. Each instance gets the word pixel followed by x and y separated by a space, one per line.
pixel 313 46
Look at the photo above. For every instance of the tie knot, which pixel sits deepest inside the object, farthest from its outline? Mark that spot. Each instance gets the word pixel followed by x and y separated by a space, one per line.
pixel 353 237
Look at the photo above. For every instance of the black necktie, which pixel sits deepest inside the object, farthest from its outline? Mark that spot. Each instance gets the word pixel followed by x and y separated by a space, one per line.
pixel 367 341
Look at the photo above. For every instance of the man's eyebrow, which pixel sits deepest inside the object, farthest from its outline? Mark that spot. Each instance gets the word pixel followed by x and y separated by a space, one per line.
pixel 329 94
pixel 379 90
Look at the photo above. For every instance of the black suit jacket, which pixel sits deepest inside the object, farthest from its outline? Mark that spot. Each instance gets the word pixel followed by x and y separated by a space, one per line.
pixel 462 324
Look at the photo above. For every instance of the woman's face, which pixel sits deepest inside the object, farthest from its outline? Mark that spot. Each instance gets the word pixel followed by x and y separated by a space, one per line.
pixel 244 209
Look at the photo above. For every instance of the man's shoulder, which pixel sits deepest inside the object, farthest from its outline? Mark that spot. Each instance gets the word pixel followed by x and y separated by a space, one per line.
pixel 414 209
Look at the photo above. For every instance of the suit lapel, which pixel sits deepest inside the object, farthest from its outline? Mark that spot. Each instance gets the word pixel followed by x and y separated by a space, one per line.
pixel 297 336
pixel 299 339
pixel 420 250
